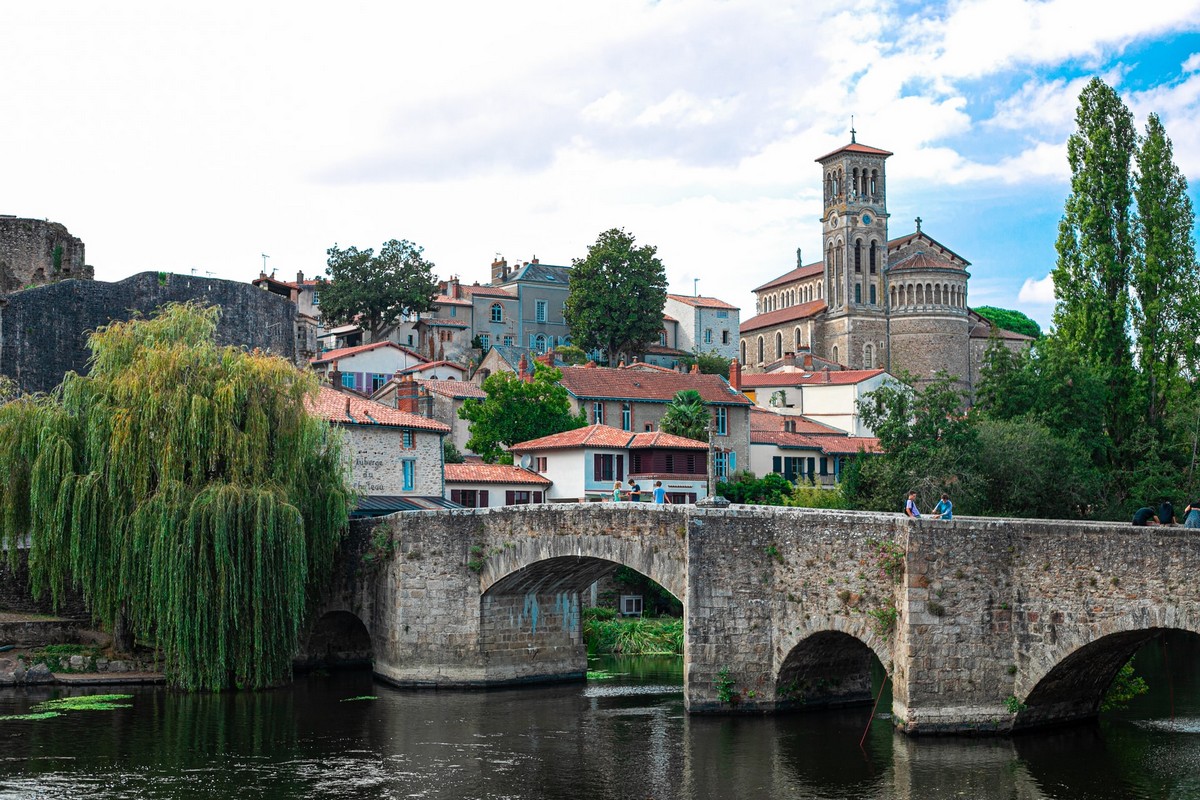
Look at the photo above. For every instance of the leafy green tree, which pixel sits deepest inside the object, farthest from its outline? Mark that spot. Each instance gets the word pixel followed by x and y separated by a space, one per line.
pixel 184 489
pixel 1026 470
pixel 1165 278
pixel 516 411
pixel 377 291
pixel 770 490
pixel 616 298
pixel 1010 320
pixel 686 416
pixel 711 363
pixel 570 354
pixel 450 453
pixel 1097 248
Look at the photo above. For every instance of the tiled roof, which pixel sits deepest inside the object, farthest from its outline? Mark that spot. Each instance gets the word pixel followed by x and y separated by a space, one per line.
pixel 806 271
pixel 840 377
pixel 487 291
pixel 770 422
pixel 981 332
pixel 782 315
pixel 432 365
pixel 456 389
pixel 897 243
pixel 669 318
pixel 511 355
pixel 591 436
pixel 647 367
pixel 855 147
pixel 830 444
pixel 663 350
pixel 492 473
pixel 541 273
pixel 353 409
pixel 924 260
pixel 623 384
pixel 334 355
pixel 665 440
pixel 447 300
pixel 434 322
pixel 702 302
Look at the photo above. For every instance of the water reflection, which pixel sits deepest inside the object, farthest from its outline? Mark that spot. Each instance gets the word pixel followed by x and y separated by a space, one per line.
pixel 627 737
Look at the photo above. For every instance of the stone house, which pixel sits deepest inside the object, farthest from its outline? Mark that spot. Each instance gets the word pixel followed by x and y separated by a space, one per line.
pixel 393 458
pixel 541 294
pixel 366 368
pixel 705 324
pixel 585 463
pixel 799 448
pixel 872 301
pixel 636 399
pixel 478 485
pixel 304 293
pixel 437 399
pixel 826 396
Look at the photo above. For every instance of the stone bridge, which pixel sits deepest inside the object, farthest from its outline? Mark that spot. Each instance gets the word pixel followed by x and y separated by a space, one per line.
pixel 982 625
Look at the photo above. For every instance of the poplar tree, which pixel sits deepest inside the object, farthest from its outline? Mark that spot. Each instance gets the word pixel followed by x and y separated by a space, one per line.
pixel 1096 248
pixel 184 490
pixel 1165 278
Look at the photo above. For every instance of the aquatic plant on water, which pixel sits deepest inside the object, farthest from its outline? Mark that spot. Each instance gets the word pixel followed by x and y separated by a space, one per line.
pixel 184 489
pixel 54 708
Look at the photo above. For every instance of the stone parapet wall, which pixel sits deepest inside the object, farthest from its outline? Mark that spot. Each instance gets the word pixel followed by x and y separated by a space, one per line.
pixel 34 252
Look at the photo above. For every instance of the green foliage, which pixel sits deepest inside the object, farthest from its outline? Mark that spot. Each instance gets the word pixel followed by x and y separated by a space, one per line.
pixel 724 685
pixel 771 490
pixel 376 291
pixel 1010 320
pixel 686 416
pixel 885 617
pixel 616 298
pixel 1125 686
pixel 808 495
pixel 517 411
pixel 450 453
pixel 711 363
pixel 570 354
pixel 184 489
pixel 889 558
pixel 1013 705
pixel 656 599
pixel 92 702
pixel 56 259
pixel 631 636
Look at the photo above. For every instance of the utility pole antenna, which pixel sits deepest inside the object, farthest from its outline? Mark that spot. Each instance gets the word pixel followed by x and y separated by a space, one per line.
pixel 695 283
pixel 265 257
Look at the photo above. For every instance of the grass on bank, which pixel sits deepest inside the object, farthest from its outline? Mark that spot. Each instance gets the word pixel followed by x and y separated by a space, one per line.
pixel 605 632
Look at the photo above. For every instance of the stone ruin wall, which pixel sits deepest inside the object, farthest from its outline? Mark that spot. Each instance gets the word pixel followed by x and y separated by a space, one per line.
pixel 34 252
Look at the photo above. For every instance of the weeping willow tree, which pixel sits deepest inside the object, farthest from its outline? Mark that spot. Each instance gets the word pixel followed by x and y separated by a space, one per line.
pixel 182 488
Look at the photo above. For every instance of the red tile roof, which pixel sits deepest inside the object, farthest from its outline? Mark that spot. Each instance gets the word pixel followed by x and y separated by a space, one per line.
pixel 663 350
pixel 702 302
pixel 980 332
pixel 770 422
pixel 492 473
pixel 640 385
pixel 591 436
pixel 855 147
pixel 456 389
pixel 487 291
pixel 924 260
pixel 435 322
pixel 608 437
pixel 902 241
pixel 353 409
pixel 782 315
pixel 840 377
pixel 647 367
pixel 334 355
pixel 830 444
pixel 431 365
pixel 806 271
pixel 447 300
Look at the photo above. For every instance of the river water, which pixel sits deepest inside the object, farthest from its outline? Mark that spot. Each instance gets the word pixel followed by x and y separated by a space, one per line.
pixel 624 737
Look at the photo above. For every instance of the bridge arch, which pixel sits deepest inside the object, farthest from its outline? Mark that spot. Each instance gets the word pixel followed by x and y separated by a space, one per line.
pixel 336 638
pixel 827 662
pixel 1069 680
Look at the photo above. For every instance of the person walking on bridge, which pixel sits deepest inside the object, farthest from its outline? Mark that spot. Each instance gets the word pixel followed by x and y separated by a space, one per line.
pixel 910 508
pixel 944 509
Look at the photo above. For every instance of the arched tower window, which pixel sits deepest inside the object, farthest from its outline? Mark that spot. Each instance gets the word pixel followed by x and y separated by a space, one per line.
pixel 920 294
pixel 937 293
pixel 743 351
pixel 893 297
pixel 779 344
pixel 761 344
pixel 854 179
pixel 797 338
pixel 871 257
pixel 858 255
pixel 874 181
pixel 835 355
pixel 868 357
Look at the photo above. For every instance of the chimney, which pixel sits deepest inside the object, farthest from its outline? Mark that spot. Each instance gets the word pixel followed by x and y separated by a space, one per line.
pixel 808 363
pixel 535 260
pixel 695 369
pixel 825 372
pixel 546 358
pixel 499 271
pixel 455 292
pixel 335 376
pixel 406 395
pixel 348 408
pixel 523 368
pixel 590 365
pixel 789 358
pixel 735 375
pixel 299 278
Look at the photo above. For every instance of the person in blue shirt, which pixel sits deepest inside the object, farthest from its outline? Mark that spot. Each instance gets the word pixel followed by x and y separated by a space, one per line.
pixel 910 508
pixel 617 492
pixel 660 494
pixel 944 509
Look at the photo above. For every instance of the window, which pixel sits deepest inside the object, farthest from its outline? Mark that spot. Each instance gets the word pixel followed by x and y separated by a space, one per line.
pixel 539 343
pixel 631 605
pixel 541 310
pixel 669 462
pixel 778 345
pixel 721 462
pixel 407 440
pixel 470 498
pixel 868 357
pixel 410 337
pixel 722 421
pixel 760 349
pixel 497 312
pixel 454 311
pixel 597 413
pixel 521 498
pixel 626 417
pixel 662 338
pixel 348 380
pixel 485 341
pixel 608 467
pixel 539 464
pixel 824 465
pixel 409 468
pixel 722 314
pixel 835 354
pixel 508 340
pixel 690 460
pixel 858 292
pixel 648 427
pixel 316 298
pixel 873 294
pixel 743 346
pixel 858 255
pixel 725 336
pixel 708 335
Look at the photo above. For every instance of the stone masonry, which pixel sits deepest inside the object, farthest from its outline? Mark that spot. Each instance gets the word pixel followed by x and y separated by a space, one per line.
pixel 983 625
pixel 34 252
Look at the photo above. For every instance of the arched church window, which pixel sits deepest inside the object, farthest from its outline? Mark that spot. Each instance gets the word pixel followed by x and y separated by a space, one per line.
pixel 835 355
pixel 858 255
pixel 920 294
pixel 779 344
pixel 761 344
pixel 871 258
pixel 893 294
pixel 937 293
pixel 743 351
pixel 797 338
pixel 868 357
pixel 874 180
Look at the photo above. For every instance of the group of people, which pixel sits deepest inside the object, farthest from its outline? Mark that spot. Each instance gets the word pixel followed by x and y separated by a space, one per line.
pixel 635 492
pixel 943 510
pixel 1165 515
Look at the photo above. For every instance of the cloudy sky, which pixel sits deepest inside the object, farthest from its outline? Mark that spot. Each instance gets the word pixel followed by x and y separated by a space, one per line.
pixel 199 138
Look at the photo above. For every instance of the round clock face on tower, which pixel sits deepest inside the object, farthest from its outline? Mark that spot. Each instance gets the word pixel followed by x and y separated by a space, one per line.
pixel 866 219
pixel 833 220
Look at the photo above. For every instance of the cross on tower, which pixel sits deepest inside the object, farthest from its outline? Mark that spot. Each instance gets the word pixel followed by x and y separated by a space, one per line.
pixel 918 221
pixel 852 131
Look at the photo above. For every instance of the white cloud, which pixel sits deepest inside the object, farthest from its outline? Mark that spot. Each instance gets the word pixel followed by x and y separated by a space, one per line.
pixel 1192 64
pixel 1037 292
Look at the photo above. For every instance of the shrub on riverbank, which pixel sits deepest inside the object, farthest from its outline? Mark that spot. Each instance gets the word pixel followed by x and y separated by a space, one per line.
pixel 605 632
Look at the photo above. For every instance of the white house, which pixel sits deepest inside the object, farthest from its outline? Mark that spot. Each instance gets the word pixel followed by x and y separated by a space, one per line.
pixel 705 325
pixel 366 368
pixel 799 448
pixel 477 485
pixel 826 396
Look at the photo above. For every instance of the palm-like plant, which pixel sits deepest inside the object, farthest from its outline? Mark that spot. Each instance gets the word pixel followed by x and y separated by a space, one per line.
pixel 686 416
